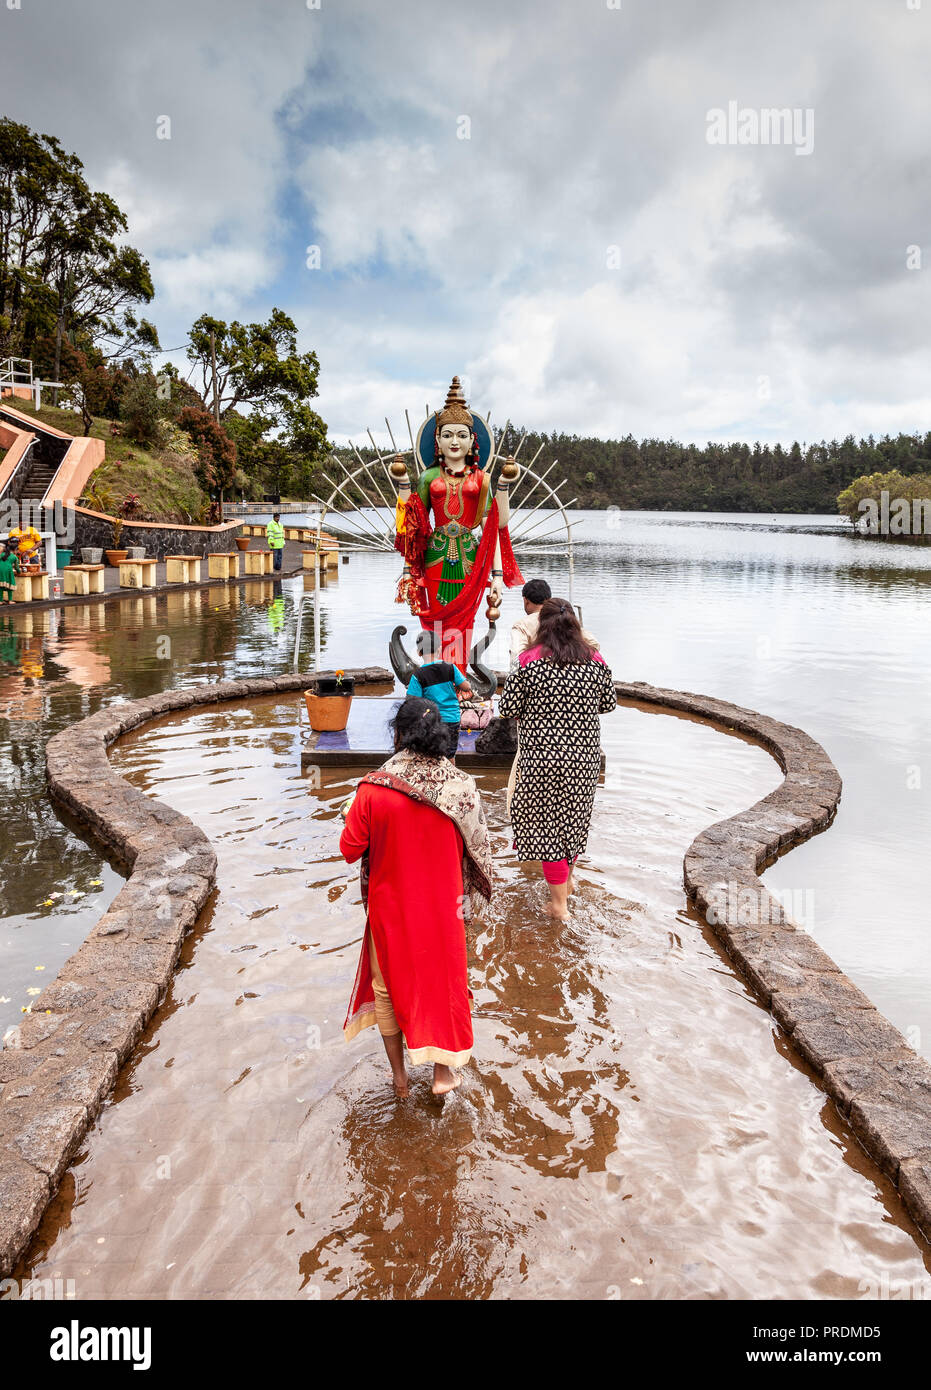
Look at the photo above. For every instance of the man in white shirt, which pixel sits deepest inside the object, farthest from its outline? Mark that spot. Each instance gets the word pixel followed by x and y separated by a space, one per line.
pixel 524 632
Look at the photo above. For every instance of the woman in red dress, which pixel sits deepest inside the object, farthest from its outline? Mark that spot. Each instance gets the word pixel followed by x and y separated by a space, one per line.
pixel 411 978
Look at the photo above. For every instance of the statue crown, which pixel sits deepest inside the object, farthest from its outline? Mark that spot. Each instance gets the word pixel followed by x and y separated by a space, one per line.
pixel 455 412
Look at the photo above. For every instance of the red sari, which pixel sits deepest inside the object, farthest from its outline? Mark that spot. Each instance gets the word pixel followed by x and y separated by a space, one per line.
pixel 414 895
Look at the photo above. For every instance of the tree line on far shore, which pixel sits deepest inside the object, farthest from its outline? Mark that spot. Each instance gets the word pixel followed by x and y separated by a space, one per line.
pixel 662 475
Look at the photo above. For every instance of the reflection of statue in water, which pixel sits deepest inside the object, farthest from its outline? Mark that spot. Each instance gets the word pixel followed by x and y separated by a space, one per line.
pixel 447 567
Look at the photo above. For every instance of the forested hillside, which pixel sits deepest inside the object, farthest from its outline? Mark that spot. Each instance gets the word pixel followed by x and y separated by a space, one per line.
pixel 661 475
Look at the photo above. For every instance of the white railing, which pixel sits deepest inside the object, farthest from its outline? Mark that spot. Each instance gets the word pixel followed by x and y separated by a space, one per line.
pixel 231 509
pixel 16 371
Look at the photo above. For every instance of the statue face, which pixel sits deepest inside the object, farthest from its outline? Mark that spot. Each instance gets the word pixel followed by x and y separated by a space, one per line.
pixel 455 444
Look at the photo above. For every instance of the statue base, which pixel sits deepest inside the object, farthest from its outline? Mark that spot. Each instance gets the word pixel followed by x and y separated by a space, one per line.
pixel 483 681
pixel 366 742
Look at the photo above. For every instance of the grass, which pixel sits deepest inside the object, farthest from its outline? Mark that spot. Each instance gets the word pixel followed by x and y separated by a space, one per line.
pixel 164 480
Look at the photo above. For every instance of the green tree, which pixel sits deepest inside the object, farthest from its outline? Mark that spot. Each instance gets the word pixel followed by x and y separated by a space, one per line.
pixel 36 184
pixel 61 269
pixel 254 364
pixel 139 409
pixel 95 282
pixel 306 448
pixel 174 393
pixel 255 448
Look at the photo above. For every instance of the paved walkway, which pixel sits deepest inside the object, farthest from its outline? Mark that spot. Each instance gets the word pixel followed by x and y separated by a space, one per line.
pixel 291 564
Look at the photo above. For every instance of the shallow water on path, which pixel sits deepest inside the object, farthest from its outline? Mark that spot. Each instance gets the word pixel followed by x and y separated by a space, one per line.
pixel 632 1124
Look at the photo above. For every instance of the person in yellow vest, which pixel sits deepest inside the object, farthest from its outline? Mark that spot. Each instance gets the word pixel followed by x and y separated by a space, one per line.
pixel 274 534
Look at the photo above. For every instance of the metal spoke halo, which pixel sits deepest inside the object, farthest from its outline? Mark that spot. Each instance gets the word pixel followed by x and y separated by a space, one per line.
pixel 371 527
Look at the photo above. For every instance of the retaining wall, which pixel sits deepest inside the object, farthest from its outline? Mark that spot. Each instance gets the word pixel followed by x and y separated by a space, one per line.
pixel 160 539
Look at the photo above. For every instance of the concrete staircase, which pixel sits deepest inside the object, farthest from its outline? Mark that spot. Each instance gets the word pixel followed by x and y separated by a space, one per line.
pixel 38 478
pixel 39 466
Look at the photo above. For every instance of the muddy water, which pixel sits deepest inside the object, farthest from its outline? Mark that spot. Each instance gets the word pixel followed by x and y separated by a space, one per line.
pixel 631 1126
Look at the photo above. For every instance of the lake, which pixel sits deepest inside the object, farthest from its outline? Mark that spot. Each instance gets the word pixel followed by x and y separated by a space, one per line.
pixel 790 616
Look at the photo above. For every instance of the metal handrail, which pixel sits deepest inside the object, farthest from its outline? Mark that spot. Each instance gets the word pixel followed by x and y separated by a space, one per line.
pixel 7 490
pixel 260 508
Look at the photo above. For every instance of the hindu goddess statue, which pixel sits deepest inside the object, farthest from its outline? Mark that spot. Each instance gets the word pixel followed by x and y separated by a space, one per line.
pixel 448 567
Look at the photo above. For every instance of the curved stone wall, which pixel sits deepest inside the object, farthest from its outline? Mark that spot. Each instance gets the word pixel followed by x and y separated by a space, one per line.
pixel 879 1084
pixel 83 1026
pixel 64 1060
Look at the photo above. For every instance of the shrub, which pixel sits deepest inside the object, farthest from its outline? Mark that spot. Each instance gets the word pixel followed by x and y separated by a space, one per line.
pixel 216 452
pixel 177 440
pixel 912 487
pixel 139 411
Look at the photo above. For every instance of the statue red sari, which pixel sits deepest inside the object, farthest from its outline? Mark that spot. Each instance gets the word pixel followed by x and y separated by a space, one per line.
pixel 447 568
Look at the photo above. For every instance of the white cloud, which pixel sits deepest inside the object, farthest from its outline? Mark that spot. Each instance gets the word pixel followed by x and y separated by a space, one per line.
pixel 487 256
pixel 217 280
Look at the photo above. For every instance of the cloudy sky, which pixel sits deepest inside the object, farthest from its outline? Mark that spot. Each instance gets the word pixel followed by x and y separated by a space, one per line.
pixel 524 193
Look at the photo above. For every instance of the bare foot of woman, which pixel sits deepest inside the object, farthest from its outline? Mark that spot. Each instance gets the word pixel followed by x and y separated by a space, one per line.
pixel 444 1079
pixel 394 1047
pixel 557 907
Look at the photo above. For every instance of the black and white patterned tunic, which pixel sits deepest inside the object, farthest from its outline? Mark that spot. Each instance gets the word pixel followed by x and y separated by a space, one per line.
pixel 559 752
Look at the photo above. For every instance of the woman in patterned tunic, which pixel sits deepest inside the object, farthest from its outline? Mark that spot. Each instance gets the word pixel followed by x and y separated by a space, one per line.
pixel 556 695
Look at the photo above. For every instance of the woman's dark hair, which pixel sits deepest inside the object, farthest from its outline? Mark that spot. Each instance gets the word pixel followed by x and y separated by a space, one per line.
pixel 417 726
pixel 536 591
pixel 560 633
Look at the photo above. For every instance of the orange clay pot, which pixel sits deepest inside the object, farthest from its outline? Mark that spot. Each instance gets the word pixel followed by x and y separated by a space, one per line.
pixel 327 713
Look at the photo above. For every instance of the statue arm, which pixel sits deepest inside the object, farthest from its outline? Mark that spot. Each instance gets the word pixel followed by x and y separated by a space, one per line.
pixel 506 480
pixel 399 473
pixel 399 476
pixel 496 587
pixel 423 489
